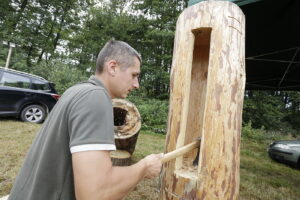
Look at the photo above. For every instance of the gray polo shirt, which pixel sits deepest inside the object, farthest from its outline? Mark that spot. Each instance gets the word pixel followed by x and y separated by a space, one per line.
pixel 82 120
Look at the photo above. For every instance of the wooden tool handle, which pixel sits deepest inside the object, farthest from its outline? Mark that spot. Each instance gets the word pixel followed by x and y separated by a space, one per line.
pixel 178 152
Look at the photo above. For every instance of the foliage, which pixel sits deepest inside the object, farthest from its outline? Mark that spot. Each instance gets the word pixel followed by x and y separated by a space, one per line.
pixel 154 113
pixel 60 40
pixel 272 110
pixel 263 110
pixel 292 111
pixel 160 16
pixel 74 31
pixel 63 75
pixel 254 134
pixel 100 27
pixel 293 121
pixel 40 27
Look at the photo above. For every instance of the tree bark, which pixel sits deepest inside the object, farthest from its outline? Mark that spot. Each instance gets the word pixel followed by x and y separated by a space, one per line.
pixel 207 90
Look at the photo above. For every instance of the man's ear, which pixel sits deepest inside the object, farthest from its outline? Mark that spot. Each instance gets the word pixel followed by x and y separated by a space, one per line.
pixel 112 67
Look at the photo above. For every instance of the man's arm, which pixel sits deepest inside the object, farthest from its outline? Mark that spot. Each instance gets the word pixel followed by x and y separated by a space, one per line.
pixel 95 178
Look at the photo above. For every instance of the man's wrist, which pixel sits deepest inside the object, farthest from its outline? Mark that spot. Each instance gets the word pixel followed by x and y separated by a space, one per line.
pixel 144 167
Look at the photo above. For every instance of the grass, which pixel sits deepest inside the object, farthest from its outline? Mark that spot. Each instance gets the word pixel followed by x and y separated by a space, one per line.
pixel 261 177
pixel 15 139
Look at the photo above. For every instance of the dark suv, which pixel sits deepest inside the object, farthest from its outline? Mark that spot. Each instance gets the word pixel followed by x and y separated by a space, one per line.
pixel 26 96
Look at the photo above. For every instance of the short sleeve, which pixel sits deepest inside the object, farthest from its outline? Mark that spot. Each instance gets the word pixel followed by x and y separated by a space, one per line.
pixel 91 120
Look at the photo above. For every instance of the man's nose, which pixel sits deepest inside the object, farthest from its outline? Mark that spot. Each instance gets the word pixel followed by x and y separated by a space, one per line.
pixel 136 84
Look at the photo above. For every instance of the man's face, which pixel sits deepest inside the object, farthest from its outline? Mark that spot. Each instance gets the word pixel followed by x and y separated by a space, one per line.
pixel 126 80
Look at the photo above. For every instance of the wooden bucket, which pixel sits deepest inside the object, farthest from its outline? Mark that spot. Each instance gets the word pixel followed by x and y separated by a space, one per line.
pixel 206 100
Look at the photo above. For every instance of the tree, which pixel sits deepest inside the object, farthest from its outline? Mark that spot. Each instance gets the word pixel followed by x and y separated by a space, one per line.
pixel 263 109
pixel 161 17
pixel 100 27
pixel 38 27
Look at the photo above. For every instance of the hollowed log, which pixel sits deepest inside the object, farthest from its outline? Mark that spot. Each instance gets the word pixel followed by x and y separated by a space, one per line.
pixel 127 121
pixel 206 100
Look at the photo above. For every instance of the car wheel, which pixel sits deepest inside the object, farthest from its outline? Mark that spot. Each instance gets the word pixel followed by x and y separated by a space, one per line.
pixel 33 113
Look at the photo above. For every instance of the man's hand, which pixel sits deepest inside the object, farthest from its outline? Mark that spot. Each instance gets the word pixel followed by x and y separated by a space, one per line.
pixel 153 165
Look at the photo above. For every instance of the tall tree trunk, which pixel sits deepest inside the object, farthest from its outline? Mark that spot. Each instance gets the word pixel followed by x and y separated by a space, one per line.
pixel 66 9
pixel 29 55
pixel 48 37
pixel 207 91
pixel 32 46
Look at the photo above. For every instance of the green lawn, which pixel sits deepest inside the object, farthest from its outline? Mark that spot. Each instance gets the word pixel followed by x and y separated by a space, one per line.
pixel 261 178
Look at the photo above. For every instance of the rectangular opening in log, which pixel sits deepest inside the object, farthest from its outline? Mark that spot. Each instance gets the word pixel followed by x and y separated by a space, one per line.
pixel 197 96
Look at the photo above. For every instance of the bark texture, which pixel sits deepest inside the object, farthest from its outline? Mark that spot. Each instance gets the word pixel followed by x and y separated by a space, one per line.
pixel 207 90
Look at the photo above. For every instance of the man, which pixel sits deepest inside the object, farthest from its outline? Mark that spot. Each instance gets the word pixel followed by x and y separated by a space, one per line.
pixel 70 158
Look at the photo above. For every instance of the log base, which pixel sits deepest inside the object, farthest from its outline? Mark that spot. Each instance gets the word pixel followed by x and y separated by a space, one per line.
pixel 120 158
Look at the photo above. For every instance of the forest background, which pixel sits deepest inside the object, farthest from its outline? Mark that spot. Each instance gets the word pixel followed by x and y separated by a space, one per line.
pixel 60 40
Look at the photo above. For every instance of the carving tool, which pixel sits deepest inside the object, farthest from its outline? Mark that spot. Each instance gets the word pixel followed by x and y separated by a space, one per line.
pixel 182 150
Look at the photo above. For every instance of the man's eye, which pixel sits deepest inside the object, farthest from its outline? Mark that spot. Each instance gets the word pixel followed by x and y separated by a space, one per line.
pixel 135 75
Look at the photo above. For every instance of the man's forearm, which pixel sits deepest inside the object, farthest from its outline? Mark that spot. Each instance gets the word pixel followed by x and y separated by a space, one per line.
pixel 95 178
pixel 124 179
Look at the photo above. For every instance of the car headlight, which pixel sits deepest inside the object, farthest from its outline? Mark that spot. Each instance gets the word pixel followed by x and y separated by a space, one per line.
pixel 282 146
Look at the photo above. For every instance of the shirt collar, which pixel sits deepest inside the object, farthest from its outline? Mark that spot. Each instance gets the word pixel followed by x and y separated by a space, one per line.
pixel 95 81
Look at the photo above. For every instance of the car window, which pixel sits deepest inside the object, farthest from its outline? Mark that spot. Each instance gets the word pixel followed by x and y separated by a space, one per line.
pixel 40 85
pixel 13 80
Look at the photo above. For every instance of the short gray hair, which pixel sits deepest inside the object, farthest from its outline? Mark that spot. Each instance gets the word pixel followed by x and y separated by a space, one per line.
pixel 119 51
